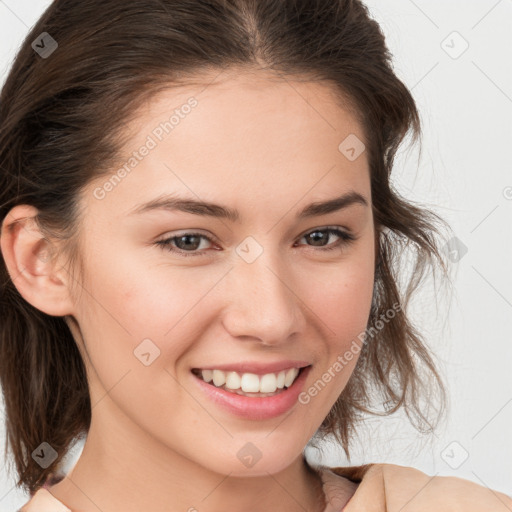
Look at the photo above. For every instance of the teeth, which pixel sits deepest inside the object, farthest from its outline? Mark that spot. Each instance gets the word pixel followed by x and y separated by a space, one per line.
pixel 280 379
pixel 290 377
pixel 267 383
pixel 207 375
pixel 233 380
pixel 250 382
pixel 219 377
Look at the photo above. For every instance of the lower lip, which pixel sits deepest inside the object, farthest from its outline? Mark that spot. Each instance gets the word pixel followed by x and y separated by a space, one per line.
pixel 255 408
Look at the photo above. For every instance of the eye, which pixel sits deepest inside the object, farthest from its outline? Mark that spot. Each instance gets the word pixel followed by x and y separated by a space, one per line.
pixel 344 238
pixel 188 244
pixel 186 240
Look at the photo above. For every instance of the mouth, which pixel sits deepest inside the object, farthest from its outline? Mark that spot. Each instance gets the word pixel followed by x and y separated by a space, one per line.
pixel 252 396
pixel 250 384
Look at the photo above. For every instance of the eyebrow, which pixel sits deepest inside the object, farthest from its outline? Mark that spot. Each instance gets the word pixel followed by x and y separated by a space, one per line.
pixel 173 203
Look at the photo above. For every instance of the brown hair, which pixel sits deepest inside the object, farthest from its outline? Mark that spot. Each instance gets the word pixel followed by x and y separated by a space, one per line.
pixel 61 121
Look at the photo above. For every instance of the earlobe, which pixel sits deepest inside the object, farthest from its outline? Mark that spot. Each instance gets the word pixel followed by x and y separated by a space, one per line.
pixel 31 264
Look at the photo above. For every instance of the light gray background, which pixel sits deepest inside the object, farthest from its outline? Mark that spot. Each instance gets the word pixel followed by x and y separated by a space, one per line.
pixel 465 174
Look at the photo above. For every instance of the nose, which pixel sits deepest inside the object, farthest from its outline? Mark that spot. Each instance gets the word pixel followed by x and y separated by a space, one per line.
pixel 263 303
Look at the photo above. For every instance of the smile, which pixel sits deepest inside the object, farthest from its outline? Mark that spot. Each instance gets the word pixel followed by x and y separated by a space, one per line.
pixel 227 389
pixel 242 383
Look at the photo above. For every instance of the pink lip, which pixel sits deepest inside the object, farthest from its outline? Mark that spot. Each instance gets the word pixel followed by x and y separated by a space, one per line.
pixel 255 408
pixel 257 368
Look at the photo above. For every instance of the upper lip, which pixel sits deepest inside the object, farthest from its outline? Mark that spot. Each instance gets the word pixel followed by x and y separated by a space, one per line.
pixel 254 367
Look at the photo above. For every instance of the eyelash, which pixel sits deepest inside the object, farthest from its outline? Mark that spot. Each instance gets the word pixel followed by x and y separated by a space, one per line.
pixel 345 239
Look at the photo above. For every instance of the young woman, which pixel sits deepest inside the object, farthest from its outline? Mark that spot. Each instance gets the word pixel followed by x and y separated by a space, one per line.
pixel 200 259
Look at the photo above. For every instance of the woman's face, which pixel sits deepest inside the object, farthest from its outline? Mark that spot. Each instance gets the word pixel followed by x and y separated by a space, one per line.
pixel 251 284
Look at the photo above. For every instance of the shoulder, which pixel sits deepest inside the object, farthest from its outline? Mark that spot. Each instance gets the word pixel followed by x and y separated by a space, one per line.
pixel 43 501
pixel 396 488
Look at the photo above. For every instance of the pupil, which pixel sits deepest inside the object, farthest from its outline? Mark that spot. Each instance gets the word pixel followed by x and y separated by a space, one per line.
pixel 321 237
pixel 185 237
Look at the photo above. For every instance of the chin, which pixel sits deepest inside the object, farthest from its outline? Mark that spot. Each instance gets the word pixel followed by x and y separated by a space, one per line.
pixel 257 458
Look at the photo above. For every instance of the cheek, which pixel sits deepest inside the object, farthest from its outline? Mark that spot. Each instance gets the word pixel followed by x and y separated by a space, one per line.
pixel 137 325
pixel 341 296
pixel 341 299
pixel 142 296
pixel 127 302
pixel 350 307
pixel 132 305
pixel 343 307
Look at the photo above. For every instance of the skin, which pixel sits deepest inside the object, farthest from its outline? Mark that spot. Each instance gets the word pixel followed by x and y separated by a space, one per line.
pixel 266 147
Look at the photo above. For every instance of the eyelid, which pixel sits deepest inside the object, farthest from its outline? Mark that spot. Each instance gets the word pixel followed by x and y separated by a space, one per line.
pixel 346 237
pixel 165 242
pixel 191 231
pixel 213 238
pixel 326 228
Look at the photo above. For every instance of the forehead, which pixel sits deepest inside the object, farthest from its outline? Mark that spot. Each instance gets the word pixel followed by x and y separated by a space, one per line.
pixel 240 100
pixel 241 134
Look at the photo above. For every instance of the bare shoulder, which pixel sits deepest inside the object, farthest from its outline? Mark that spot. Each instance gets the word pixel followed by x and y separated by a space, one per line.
pixel 43 501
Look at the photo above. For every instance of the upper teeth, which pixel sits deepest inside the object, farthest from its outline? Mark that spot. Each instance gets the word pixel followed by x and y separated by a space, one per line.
pixel 250 382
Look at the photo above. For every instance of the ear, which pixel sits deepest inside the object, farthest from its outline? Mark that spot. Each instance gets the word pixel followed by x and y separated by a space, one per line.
pixel 33 270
